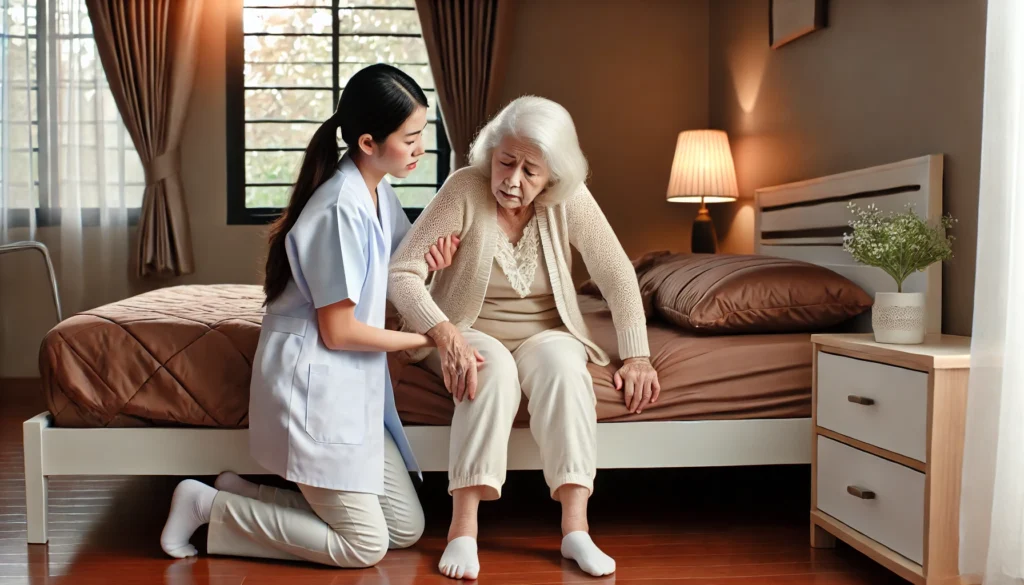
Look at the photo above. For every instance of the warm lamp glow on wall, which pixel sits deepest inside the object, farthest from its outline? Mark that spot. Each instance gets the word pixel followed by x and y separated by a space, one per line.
pixel 703 172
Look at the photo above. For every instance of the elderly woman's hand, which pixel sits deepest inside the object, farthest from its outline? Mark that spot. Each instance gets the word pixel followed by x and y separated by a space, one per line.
pixel 441 253
pixel 459 360
pixel 639 382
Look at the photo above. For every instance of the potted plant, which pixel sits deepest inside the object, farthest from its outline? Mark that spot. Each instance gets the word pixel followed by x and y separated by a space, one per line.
pixel 900 244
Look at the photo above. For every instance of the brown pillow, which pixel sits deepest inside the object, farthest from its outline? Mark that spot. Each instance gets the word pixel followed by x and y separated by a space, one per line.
pixel 731 293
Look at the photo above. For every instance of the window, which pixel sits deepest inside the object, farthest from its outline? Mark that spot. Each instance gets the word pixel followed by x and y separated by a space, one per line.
pixel 287 63
pixel 62 143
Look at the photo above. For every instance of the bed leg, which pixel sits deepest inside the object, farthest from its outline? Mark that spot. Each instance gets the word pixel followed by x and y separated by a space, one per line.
pixel 35 481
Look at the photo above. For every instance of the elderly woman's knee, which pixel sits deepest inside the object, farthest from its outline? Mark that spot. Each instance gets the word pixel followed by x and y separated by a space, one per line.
pixel 498 360
pixel 497 383
pixel 555 365
pixel 552 378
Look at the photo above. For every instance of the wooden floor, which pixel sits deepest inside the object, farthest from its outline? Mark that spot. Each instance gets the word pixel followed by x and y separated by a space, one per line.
pixel 693 526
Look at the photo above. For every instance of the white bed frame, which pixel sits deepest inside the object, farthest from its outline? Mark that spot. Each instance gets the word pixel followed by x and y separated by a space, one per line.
pixel 781 231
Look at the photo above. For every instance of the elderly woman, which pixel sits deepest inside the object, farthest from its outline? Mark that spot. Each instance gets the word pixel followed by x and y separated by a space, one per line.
pixel 506 322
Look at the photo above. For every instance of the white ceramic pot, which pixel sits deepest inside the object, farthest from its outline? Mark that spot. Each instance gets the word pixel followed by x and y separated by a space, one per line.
pixel 898 317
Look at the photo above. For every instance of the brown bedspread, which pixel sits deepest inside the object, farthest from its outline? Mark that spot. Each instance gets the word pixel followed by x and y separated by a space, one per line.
pixel 183 356
pixel 702 378
pixel 174 356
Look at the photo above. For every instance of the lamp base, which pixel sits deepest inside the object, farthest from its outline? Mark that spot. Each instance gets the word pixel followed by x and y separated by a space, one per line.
pixel 703 239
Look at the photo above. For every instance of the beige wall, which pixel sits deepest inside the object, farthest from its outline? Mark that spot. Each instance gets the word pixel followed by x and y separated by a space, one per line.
pixel 633 75
pixel 224 254
pixel 884 82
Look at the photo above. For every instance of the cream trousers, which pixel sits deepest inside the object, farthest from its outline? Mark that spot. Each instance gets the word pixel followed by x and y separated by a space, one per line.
pixel 550 368
pixel 341 529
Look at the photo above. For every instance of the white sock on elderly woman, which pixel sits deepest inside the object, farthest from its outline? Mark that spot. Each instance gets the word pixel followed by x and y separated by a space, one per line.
pixel 579 547
pixel 459 560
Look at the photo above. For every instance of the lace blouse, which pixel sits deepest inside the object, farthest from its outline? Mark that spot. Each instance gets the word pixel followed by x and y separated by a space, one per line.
pixel 519 302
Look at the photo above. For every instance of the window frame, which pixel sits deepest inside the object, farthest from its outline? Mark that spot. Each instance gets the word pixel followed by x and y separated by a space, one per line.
pixel 237 212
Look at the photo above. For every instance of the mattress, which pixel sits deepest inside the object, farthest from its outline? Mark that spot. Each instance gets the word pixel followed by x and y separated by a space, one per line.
pixel 702 377
pixel 182 356
pixel 174 356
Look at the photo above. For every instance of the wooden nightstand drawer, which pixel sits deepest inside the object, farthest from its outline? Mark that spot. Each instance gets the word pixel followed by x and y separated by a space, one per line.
pixel 887 499
pixel 882 405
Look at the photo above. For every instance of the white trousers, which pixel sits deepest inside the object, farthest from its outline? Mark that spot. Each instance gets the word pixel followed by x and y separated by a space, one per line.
pixel 550 368
pixel 341 529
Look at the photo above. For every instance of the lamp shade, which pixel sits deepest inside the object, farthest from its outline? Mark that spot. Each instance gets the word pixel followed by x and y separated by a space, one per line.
pixel 702 171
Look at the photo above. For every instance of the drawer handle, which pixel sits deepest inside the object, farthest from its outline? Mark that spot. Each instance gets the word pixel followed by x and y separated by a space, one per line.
pixel 860 493
pixel 860 400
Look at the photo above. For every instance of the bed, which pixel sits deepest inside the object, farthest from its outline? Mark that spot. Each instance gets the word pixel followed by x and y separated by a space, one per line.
pixel 173 399
pixel 182 356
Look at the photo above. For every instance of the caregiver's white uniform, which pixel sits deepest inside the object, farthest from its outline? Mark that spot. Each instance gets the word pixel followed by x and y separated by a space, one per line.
pixel 326 419
pixel 315 414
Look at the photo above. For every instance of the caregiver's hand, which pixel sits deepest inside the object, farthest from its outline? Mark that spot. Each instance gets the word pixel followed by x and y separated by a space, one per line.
pixel 639 382
pixel 441 253
pixel 459 360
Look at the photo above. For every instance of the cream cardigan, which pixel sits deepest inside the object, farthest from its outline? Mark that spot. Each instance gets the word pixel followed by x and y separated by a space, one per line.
pixel 465 206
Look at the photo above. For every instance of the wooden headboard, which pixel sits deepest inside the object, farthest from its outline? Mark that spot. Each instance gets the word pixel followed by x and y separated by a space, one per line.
pixel 806 221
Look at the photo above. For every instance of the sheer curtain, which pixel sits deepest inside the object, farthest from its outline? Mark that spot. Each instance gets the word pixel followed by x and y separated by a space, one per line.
pixel 69 175
pixel 18 131
pixel 992 494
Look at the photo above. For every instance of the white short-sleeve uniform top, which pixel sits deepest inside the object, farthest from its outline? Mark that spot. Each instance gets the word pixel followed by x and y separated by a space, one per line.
pixel 317 416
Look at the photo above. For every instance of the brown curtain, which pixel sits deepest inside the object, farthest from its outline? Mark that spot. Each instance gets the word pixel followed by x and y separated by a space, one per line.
pixel 148 50
pixel 467 44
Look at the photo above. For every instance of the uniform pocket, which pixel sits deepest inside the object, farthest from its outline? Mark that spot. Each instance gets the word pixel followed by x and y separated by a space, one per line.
pixel 336 405
pixel 270 389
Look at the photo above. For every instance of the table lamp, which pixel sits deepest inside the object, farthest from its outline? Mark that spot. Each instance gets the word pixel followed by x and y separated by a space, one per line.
pixel 703 172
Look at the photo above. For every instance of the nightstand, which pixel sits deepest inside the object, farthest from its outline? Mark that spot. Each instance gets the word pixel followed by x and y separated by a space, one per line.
pixel 887 449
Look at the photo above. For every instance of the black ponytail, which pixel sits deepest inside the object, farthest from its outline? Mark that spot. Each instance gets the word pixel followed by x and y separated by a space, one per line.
pixel 377 100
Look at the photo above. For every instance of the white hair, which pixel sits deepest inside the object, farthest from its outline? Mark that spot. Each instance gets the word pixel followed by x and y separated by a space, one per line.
pixel 549 127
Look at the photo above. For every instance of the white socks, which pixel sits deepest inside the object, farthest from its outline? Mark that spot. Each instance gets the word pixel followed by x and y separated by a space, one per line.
pixel 193 502
pixel 235 484
pixel 190 508
pixel 459 560
pixel 578 546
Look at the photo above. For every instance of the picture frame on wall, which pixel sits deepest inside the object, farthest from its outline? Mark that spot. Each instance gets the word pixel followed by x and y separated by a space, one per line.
pixel 789 20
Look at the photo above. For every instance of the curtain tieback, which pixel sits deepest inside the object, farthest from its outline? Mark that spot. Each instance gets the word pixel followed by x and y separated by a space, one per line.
pixel 163 166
